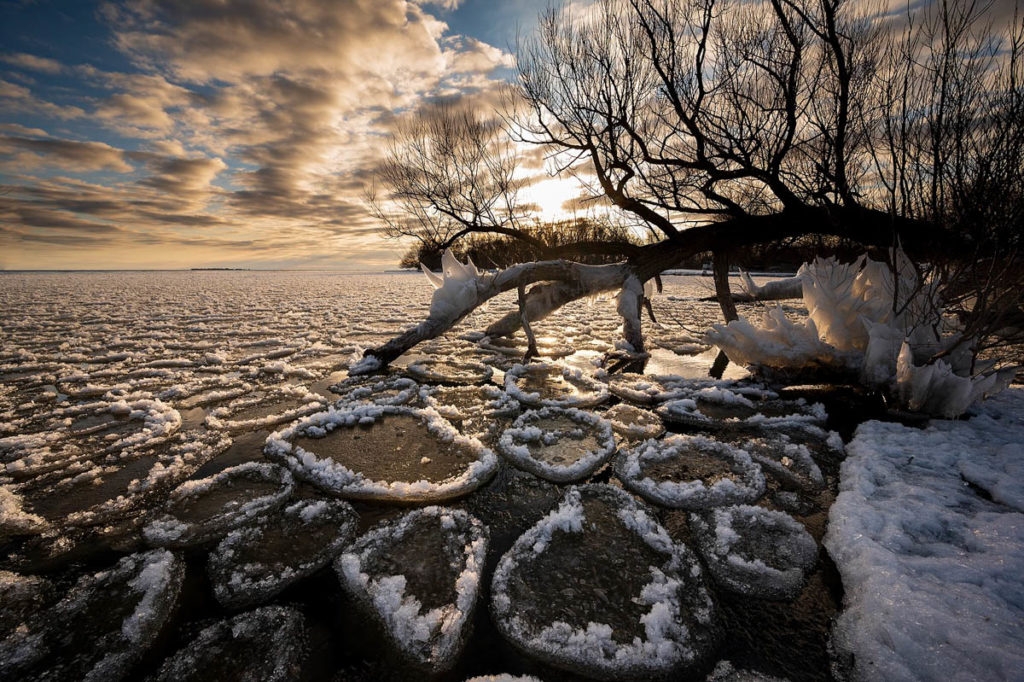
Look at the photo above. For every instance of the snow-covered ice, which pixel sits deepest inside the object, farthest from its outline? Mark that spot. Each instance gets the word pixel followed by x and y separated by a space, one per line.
pixel 597 587
pixel 928 535
pixel 419 576
pixel 690 472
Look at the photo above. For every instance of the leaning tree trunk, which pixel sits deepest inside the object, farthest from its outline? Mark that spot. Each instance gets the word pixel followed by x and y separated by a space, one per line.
pixel 728 306
pixel 565 281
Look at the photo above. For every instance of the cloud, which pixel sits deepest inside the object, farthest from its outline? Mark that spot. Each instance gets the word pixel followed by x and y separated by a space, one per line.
pixel 18 98
pixel 33 62
pixel 254 125
pixel 69 154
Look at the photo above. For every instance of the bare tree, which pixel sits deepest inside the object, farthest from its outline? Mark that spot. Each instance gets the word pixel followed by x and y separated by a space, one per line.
pixel 450 172
pixel 721 124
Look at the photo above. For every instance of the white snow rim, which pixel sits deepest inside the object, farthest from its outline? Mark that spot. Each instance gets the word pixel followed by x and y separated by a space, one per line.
pixel 168 531
pixel 430 638
pixel 695 494
pixel 337 479
pixel 514 444
pixel 668 644
pixel 598 392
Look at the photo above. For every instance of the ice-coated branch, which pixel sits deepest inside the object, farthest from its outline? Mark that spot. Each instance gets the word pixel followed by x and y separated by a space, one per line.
pixel 879 319
pixel 463 288
pixel 630 301
pixel 775 290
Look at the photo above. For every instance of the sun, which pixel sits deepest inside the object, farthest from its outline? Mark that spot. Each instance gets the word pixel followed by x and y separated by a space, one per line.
pixel 550 197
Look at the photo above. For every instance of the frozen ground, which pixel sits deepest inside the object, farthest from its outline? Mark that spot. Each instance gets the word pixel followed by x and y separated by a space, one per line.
pixel 928 533
pixel 123 396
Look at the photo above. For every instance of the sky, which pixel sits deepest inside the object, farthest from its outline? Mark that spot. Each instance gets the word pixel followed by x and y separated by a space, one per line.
pixel 224 133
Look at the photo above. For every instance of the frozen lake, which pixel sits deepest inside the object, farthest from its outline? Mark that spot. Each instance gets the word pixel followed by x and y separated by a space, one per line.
pixel 129 400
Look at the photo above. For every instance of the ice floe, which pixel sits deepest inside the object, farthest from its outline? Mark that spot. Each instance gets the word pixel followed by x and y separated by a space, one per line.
pixel 597 587
pixel 202 510
pixel 449 370
pixel 690 472
pixel 634 423
pixel 790 463
pixel 388 391
pixel 647 389
pixel 268 644
pixel 265 409
pixel 255 562
pixel 755 551
pixel 559 444
pixel 553 385
pixel 104 624
pixel 419 577
pixel 383 452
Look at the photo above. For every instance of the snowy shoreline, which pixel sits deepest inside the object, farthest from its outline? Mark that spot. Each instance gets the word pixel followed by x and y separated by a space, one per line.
pixel 928 535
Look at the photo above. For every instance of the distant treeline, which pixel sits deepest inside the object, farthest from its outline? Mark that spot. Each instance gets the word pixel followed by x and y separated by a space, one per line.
pixel 499 251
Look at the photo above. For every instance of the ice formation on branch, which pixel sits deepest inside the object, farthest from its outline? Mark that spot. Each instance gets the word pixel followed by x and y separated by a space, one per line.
pixel 883 321
pixel 456 289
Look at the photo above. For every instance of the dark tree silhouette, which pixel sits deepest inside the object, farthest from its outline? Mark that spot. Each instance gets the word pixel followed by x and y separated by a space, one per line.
pixel 728 124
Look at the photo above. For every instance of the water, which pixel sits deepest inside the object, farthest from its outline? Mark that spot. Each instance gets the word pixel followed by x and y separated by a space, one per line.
pixel 109 378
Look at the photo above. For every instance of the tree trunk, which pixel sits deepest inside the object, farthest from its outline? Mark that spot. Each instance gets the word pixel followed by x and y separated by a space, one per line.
pixel 724 296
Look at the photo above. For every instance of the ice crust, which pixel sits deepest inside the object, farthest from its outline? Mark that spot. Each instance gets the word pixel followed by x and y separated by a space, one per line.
pixel 678 625
pixel 516 441
pixel 338 479
pixel 690 494
pixel 755 551
pixel 933 572
pixel 433 638
pixel 245 571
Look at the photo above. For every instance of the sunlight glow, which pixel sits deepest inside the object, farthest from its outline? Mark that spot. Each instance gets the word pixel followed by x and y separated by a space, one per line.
pixel 550 196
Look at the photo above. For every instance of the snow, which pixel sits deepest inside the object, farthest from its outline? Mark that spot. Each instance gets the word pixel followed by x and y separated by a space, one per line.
pixel 435 637
pixel 338 479
pixel 455 291
pixel 748 485
pixel 933 572
pixel 157 572
pixel 13 519
pixel 526 445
